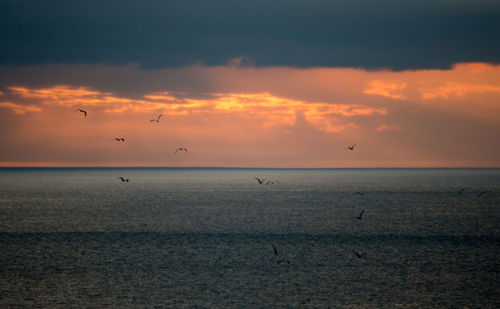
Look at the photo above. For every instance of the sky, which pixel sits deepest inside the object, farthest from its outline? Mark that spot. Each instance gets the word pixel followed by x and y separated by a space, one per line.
pixel 250 83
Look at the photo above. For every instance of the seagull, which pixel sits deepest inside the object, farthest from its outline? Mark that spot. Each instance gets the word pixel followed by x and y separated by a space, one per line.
pixel 82 111
pixel 275 250
pixel 261 181
pixel 351 147
pixel 461 191
pixel 157 119
pixel 119 139
pixel 123 179
pixel 481 193
pixel 360 193
pixel 283 261
pixel 181 149
pixel 360 215
pixel 359 255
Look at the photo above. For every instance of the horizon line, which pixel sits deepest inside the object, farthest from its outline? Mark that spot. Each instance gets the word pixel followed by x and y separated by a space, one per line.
pixel 239 167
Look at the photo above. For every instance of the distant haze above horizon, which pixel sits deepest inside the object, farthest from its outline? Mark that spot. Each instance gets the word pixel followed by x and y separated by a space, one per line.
pixel 250 84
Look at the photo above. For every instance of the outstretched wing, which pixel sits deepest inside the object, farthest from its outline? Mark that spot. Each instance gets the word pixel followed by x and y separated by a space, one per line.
pixel 361 213
pixel 275 250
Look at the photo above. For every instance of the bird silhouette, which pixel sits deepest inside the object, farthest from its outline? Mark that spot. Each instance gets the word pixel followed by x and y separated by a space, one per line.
pixel 157 120
pixel 351 147
pixel 360 215
pixel 481 193
pixel 119 139
pixel 359 255
pixel 283 261
pixel 461 191
pixel 123 179
pixel 275 250
pixel 359 193
pixel 181 149
pixel 261 181
pixel 82 111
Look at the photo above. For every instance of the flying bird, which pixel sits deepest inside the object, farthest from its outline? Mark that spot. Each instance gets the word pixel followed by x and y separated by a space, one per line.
pixel 283 261
pixel 157 120
pixel 481 193
pixel 359 255
pixel 461 191
pixel 123 179
pixel 360 215
pixel 119 139
pixel 82 111
pixel 359 193
pixel 261 181
pixel 275 250
pixel 351 147
pixel 181 149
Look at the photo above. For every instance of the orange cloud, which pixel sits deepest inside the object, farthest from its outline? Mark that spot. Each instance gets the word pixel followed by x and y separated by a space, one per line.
pixel 20 109
pixel 240 116
pixel 271 110
pixel 456 89
pixel 386 88
pixel 386 127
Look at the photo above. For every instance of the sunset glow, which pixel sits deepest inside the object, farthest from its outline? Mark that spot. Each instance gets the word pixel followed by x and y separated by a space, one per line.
pixel 249 118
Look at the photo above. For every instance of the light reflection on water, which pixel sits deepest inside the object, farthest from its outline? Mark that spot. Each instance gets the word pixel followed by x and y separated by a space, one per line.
pixel 203 237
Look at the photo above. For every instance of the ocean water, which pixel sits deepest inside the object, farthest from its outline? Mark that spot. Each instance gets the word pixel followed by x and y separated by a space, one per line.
pixel 203 238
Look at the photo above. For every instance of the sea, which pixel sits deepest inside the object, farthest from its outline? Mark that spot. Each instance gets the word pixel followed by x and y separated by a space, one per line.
pixel 217 238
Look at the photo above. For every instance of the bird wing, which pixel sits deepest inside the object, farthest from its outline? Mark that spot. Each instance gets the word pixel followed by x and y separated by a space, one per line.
pixel 361 213
pixel 275 250
pixel 159 117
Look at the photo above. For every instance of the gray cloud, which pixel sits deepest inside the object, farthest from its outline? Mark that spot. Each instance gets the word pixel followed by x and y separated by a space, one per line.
pixel 361 33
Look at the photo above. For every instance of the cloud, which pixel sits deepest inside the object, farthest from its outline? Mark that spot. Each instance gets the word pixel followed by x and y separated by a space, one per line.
pixel 20 109
pixel 386 88
pixel 250 116
pixel 386 127
pixel 264 107
pixel 456 89
pixel 296 33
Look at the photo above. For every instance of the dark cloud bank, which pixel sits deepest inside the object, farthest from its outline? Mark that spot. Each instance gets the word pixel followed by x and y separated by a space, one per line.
pixel 367 34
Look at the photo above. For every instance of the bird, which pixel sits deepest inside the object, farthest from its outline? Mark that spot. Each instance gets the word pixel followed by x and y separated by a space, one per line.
pixel 360 215
pixel 351 147
pixel 269 183
pixel 82 111
pixel 119 139
pixel 275 250
pixel 359 255
pixel 261 181
pixel 283 261
pixel 157 119
pixel 359 193
pixel 461 191
pixel 123 179
pixel 181 149
pixel 481 193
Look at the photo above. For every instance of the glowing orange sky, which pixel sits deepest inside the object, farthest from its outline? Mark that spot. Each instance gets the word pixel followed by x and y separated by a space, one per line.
pixel 249 117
